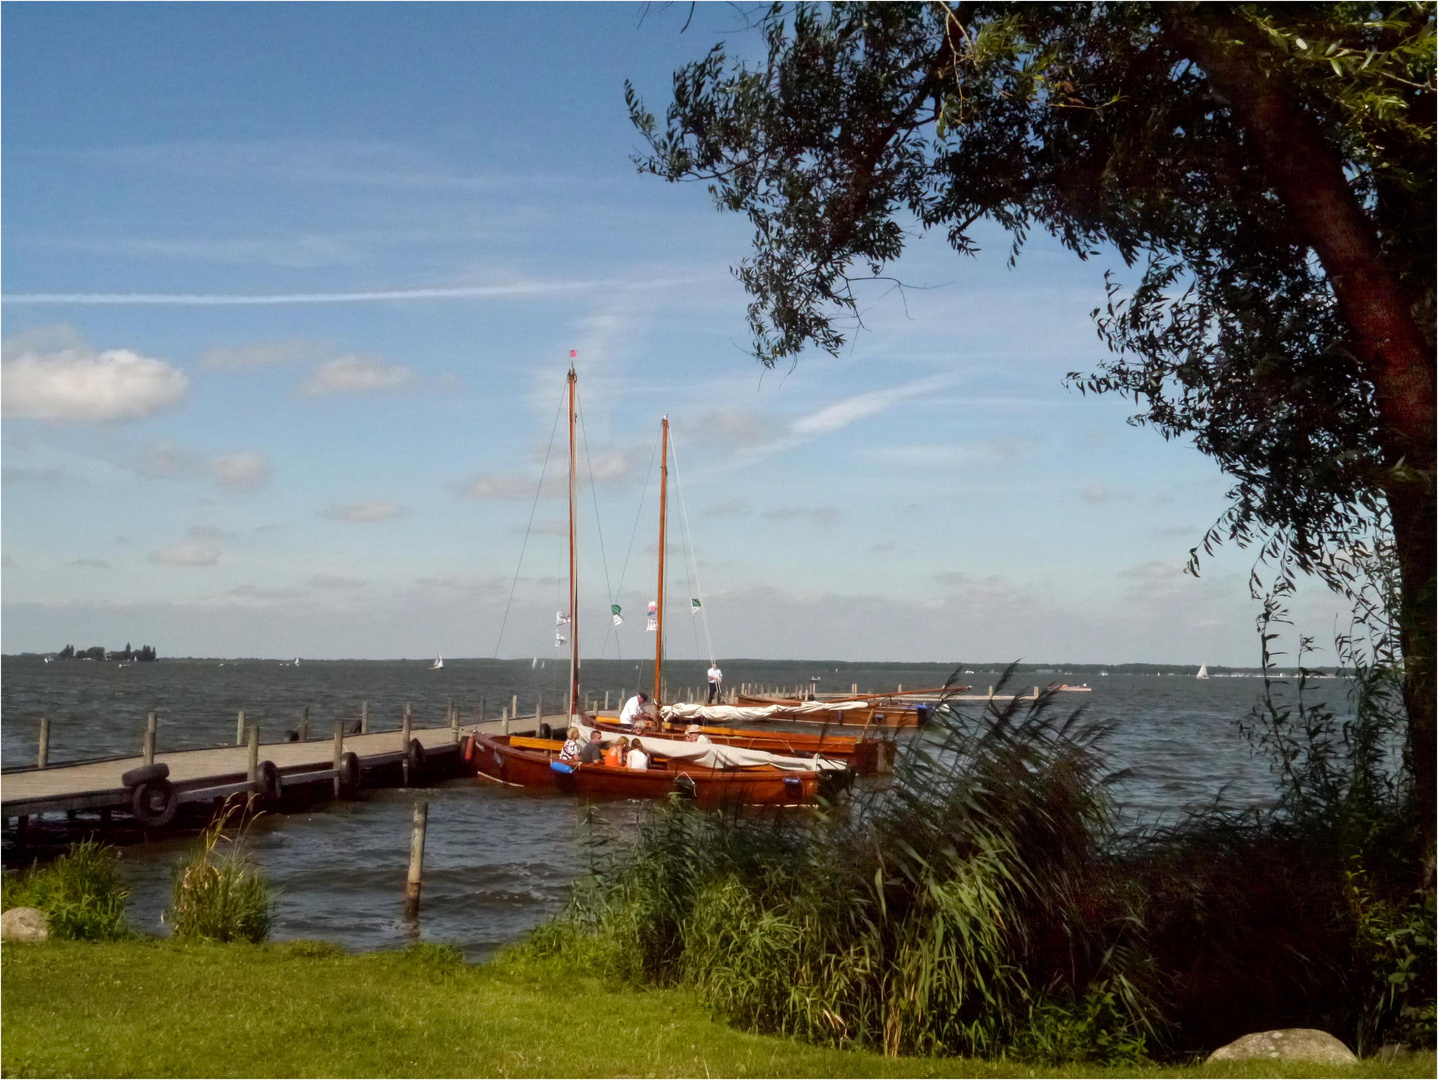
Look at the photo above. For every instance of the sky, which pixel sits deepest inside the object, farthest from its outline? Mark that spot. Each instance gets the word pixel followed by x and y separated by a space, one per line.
pixel 289 297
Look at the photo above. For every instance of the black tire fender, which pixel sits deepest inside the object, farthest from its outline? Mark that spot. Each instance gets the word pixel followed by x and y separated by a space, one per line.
pixel 350 772
pixel 545 731
pixel 144 774
pixel 267 780
pixel 154 802
pixel 414 754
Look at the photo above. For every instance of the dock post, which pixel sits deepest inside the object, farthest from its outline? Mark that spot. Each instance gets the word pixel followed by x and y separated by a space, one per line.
pixel 364 717
pixel 991 693
pixel 404 744
pixel 240 728
pixel 305 724
pixel 339 752
pixel 149 746
pixel 538 713
pixel 514 710
pixel 453 723
pixel 504 721
pixel 42 758
pixel 252 772
pixel 416 860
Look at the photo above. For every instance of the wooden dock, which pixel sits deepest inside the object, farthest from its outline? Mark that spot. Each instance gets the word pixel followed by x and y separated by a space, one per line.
pixel 382 758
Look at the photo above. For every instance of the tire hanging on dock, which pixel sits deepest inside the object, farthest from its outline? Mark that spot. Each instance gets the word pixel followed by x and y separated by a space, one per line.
pixel 414 757
pixel 267 781
pixel 154 802
pixel 350 772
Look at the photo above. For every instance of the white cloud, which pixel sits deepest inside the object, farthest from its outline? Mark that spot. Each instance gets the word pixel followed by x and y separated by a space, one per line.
pixel 260 354
pixel 510 486
pixel 335 581
pixel 242 471
pixel 862 406
pixel 728 508
pixel 819 515
pixel 88 563
pixel 377 510
pixel 982 454
pixel 187 553
pixel 1095 493
pixel 246 471
pixel 54 375
pixel 356 375
pixel 51 477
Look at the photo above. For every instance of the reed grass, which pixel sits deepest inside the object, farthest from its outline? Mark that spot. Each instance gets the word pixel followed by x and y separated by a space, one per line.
pixel 985 903
pixel 221 895
pixel 81 893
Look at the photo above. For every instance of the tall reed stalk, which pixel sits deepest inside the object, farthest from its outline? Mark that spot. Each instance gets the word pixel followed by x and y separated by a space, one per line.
pixel 221 895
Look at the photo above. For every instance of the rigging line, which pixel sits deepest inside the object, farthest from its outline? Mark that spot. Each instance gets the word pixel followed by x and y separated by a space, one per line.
pixel 598 527
pixel 688 546
pixel 638 513
pixel 698 585
pixel 538 488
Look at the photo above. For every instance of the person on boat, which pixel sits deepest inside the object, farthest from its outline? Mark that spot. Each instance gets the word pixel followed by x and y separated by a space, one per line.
pixel 571 748
pixel 695 734
pixel 637 758
pixel 716 681
pixel 593 752
pixel 633 708
pixel 618 749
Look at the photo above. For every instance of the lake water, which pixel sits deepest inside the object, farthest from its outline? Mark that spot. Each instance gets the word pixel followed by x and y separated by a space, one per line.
pixel 498 860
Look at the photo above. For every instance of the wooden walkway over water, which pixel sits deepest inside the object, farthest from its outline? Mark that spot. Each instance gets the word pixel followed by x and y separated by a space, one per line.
pixel 212 774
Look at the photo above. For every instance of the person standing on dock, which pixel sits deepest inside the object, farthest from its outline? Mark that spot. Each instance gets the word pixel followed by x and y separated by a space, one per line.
pixel 716 681
pixel 632 708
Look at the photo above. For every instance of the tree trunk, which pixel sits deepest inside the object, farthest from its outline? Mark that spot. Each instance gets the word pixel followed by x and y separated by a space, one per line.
pixel 1307 173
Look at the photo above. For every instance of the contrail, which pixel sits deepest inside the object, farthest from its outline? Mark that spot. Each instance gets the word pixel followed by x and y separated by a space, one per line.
pixel 461 292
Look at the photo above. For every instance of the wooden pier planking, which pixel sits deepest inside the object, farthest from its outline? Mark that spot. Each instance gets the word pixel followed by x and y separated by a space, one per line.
pixel 217 771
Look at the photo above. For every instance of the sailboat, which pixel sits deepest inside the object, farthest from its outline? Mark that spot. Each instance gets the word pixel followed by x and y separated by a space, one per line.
pixel 709 773
pixel 1202 671
pixel 438 663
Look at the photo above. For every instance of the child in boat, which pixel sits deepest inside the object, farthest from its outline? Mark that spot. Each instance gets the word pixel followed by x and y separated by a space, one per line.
pixel 614 756
pixel 637 758
pixel 572 746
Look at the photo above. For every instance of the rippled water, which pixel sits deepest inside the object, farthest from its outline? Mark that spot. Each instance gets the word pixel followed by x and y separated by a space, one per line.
pixel 497 860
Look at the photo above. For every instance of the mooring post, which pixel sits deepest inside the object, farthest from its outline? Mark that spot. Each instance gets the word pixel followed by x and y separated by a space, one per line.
pixel 514 710
pixel 149 746
pixel 305 724
pixel 42 757
pixel 453 723
pixel 240 728
pixel 404 746
pixel 504 721
pixel 416 860
pixel 339 752
pixel 364 717
pixel 252 773
pixel 991 693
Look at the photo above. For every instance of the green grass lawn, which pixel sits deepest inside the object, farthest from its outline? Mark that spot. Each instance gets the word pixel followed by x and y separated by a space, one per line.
pixel 153 1008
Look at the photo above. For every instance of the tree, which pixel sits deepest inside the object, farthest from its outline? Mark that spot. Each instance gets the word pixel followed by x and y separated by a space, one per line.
pixel 1266 170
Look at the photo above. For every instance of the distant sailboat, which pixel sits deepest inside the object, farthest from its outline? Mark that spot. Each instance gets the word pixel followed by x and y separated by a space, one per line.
pixel 297 661
pixel 534 663
pixel 1202 671
pixel 438 663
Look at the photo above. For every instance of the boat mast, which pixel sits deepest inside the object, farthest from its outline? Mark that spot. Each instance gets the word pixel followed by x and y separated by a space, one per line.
pixel 659 619
pixel 573 577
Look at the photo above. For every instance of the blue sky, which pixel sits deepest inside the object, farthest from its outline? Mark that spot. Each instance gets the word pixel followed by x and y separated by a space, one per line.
pixel 289 294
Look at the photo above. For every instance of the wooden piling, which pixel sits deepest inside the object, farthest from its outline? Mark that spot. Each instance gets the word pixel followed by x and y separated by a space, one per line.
pixel 148 751
pixel 606 701
pixel 404 744
pixel 416 860
pixel 514 708
pixel 339 752
pixel 453 723
pixel 305 724
pixel 42 756
pixel 240 728
pixel 252 773
pixel 504 721
pixel 364 717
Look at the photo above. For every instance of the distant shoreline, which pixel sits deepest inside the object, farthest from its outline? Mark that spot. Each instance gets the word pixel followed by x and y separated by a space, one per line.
pixel 941 669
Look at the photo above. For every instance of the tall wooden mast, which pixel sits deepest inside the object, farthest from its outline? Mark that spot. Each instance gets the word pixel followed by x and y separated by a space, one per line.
pixel 573 577
pixel 659 615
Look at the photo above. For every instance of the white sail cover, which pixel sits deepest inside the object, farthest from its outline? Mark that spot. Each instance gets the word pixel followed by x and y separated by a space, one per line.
pixel 716 756
pixel 727 714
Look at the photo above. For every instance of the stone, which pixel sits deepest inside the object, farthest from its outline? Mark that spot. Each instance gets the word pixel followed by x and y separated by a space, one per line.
pixel 1287 1044
pixel 24 924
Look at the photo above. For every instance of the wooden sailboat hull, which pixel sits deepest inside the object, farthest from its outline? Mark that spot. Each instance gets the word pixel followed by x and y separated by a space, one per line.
pixel 897 714
pixel 859 754
pixel 531 765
